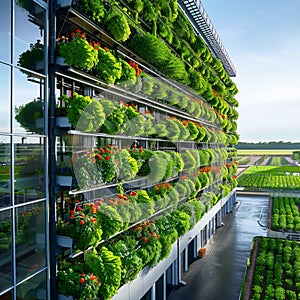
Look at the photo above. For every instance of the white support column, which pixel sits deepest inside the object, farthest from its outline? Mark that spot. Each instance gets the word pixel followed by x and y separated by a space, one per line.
pixel 186 259
pixel 153 296
pixel 165 286
pixel 175 272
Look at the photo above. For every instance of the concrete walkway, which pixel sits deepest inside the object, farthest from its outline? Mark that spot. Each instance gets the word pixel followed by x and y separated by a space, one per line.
pixel 218 276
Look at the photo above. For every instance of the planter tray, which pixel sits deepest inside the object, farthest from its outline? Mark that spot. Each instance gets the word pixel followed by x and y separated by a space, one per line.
pixel 63 122
pixel 64 180
pixel 64 3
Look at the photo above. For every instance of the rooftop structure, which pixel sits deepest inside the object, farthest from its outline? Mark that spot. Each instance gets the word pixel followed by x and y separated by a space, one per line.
pixel 199 18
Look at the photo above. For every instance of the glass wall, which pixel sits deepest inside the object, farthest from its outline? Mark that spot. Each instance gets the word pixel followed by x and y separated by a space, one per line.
pixel 23 150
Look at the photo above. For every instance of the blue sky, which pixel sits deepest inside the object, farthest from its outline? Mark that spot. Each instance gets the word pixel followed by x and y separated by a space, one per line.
pixel 262 38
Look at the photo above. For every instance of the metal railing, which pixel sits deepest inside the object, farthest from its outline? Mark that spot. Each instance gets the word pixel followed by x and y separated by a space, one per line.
pixel 198 16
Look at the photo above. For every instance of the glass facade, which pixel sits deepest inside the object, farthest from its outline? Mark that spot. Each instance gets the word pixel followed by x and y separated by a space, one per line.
pixel 23 150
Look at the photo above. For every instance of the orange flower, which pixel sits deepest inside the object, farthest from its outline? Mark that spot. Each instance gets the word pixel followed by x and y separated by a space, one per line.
pixel 93 277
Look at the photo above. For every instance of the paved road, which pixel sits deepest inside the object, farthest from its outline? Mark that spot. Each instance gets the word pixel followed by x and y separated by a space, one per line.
pixel 218 276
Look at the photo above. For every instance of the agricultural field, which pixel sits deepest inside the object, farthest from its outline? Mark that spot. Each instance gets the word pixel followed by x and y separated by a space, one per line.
pixel 287 152
pixel 285 213
pixel 276 272
pixel 270 177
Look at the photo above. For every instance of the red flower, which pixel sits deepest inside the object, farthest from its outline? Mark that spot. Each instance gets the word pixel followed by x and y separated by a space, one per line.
pixel 81 222
pixel 78 208
pixel 98 156
pixel 82 280
pixel 107 157
pixel 145 240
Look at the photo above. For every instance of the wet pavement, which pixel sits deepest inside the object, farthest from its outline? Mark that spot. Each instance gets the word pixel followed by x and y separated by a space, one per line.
pixel 219 274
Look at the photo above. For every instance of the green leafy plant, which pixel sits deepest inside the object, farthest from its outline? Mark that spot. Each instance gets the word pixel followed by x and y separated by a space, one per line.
pixel 94 9
pixel 85 170
pixel 126 249
pixel 77 51
pixel 109 68
pixel 73 280
pixel 134 121
pixel 115 118
pixel 82 226
pixel 85 113
pixel 108 268
pixel 149 125
pixel 129 73
pixel 109 218
pixel 26 114
pixel 26 4
pixel 29 58
pixel 127 166
pixel 117 24
pixel 154 51
pixel 105 162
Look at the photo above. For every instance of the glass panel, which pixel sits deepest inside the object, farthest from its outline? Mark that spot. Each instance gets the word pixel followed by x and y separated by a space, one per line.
pixel 28 103
pixel 29 164
pixel 30 239
pixel 5 107
pixel 5 250
pixel 5 171
pixel 7 296
pixel 33 289
pixel 29 35
pixel 5 30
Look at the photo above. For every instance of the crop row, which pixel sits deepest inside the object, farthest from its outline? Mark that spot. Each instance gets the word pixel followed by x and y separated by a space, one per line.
pixel 286 214
pixel 277 270
pixel 287 182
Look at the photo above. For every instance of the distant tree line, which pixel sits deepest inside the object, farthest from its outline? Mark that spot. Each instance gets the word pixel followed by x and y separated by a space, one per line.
pixel 268 145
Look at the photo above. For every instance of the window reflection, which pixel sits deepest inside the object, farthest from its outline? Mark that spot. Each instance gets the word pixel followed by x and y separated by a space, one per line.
pixel 30 239
pixel 29 35
pixel 35 288
pixel 28 103
pixel 7 296
pixel 5 30
pixel 29 169
pixel 5 250
pixel 5 107
pixel 5 171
